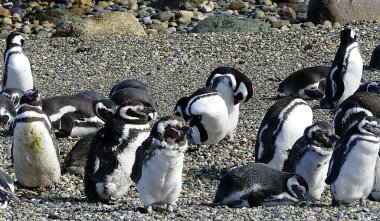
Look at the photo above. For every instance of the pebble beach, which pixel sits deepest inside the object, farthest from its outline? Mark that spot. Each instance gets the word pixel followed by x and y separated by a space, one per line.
pixel 174 66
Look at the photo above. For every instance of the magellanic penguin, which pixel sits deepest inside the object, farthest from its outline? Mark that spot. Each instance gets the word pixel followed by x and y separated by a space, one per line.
pixel 13 94
pixel 112 152
pixel 35 150
pixel 370 87
pixel 208 116
pixel 310 156
pixel 129 83
pixel 257 184
pixel 17 73
pixel 159 162
pixel 283 124
pixel 353 109
pixel 90 94
pixel 7 111
pixel 7 189
pixel 345 73
pixel 375 58
pixel 308 83
pixel 76 116
pixel 235 88
pixel 351 174
pixel 375 193
pixel 180 108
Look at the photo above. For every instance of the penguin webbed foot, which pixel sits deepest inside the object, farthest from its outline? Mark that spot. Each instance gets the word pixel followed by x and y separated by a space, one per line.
pixel 363 202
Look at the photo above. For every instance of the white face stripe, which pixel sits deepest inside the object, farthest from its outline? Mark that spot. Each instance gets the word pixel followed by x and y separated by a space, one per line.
pixel 17 39
pixel 96 165
pixel 352 34
pixel 333 84
pixel 353 111
pixel 123 111
pixel 311 131
pixel 61 112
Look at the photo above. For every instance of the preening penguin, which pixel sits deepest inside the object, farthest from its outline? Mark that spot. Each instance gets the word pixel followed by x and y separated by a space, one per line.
pixel 208 116
pixel 308 83
pixel 7 189
pixel 13 94
pixel 353 109
pixel 235 88
pixel 310 156
pixel 159 162
pixel 17 73
pixel 112 153
pixel 351 174
pixel 257 184
pixel 35 150
pixel 7 111
pixel 283 124
pixel 345 73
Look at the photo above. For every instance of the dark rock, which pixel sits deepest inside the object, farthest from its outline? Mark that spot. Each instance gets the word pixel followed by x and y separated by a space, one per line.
pixel 54 16
pixel 343 11
pixel 224 23
pixel 164 16
pixel 375 58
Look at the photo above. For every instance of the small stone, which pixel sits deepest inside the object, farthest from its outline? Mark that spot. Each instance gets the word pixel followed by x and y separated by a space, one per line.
pixel 26 29
pixel 238 5
pixel 259 14
pixel 164 16
pixel 152 73
pixel 308 24
pixel 4 12
pixel 280 23
pixel 337 25
pixel 272 19
pixel 17 25
pixel 201 71
pixel 147 20
pixel 199 16
pixel 288 12
pixel 184 17
pixel 327 23
pixel 165 32
pixel 267 2
pixel 7 21
pixel 172 24
pixel 151 31
pixel 295 26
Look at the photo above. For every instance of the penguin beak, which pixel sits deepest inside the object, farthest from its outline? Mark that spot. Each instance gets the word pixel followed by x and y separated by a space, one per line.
pixel 307 197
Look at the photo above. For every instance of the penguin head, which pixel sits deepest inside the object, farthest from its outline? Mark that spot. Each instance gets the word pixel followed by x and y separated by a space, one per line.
pixel 180 108
pixel 31 97
pixel 15 39
pixel 369 126
pixel 135 112
pixel 105 109
pixel 13 94
pixel 347 36
pixel 297 187
pixel 6 118
pixel 375 58
pixel 321 134
pixel 171 131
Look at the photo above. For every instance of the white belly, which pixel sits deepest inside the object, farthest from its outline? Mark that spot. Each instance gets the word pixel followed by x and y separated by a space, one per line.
pixel 161 178
pixel 376 189
pixel 36 162
pixel 19 74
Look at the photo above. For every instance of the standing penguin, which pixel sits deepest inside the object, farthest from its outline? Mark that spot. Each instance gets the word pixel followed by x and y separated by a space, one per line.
pixel 17 73
pixel 345 72
pixel 257 184
pixel 310 156
pixel 35 150
pixel 235 88
pixel 112 153
pixel 351 174
pixel 7 189
pixel 159 162
pixel 208 115
pixel 308 83
pixel 353 109
pixel 283 124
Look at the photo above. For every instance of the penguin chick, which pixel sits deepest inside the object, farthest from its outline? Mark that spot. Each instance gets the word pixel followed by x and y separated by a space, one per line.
pixel 351 174
pixel 308 83
pixel 345 73
pixel 35 150
pixel 7 189
pixel 112 154
pixel 235 88
pixel 17 73
pixel 283 124
pixel 159 162
pixel 257 184
pixel 310 156
pixel 208 116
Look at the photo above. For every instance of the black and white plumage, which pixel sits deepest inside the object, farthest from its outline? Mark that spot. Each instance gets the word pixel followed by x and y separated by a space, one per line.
pixel 283 124
pixel 7 189
pixel 351 174
pixel 13 94
pixel 345 73
pixel 180 108
pixel 91 94
pixel 17 73
pixel 235 88
pixel 257 184
pixel 308 83
pixel 310 156
pixel 129 83
pixel 7 111
pixel 375 193
pixel 370 87
pixel 354 108
pixel 208 116
pixel 159 162
pixel 112 154
pixel 35 149
pixel 375 58
pixel 76 116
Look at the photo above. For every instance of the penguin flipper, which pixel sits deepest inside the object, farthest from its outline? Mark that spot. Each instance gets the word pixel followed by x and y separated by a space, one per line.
pixel 294 155
pixel 339 84
pixel 335 164
pixel 66 124
pixel 137 166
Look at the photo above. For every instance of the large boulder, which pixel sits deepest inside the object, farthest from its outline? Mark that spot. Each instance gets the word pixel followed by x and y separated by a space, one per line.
pixel 228 23
pixel 113 23
pixel 343 11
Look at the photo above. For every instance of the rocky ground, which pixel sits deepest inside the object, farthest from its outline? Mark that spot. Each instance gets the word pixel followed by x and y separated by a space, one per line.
pixel 174 66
